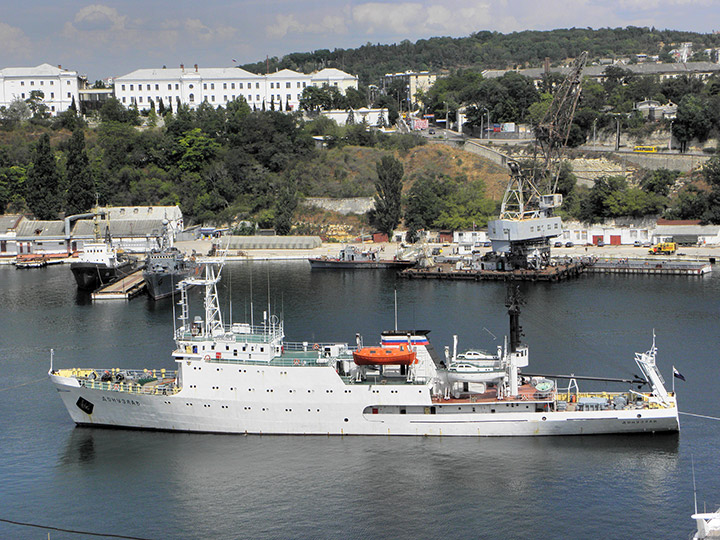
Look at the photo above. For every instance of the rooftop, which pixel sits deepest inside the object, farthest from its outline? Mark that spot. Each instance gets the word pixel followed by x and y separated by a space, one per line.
pixel 120 228
pixel 37 71
pixel 9 222
pixel 177 73
pixel 29 228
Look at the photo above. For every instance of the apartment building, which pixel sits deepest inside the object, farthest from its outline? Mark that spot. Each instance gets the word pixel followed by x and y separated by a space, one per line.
pixel 280 90
pixel 59 86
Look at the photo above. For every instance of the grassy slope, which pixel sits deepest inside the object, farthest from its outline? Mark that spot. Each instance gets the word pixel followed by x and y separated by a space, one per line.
pixel 350 171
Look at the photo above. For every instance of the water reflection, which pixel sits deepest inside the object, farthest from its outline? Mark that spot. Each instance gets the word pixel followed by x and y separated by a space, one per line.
pixel 80 448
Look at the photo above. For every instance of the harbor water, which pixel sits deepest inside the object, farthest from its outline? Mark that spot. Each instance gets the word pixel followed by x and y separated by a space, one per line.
pixel 161 485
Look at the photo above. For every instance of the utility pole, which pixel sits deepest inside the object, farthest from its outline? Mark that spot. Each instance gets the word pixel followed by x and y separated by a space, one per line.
pixel 594 133
pixel 617 136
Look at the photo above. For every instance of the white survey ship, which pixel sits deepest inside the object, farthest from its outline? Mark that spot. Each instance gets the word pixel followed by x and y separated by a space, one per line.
pixel 244 378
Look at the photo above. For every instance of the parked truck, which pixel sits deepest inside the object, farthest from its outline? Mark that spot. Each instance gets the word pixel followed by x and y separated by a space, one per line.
pixel 663 248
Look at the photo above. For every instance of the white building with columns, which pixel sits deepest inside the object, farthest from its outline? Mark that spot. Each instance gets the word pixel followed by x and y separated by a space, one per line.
pixel 219 86
pixel 59 86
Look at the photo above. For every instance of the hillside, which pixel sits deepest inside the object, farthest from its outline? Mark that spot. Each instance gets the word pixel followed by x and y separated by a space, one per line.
pixel 350 171
pixel 489 50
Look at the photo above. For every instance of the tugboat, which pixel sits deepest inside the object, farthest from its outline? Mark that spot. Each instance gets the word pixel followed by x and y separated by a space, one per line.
pixel 166 267
pixel 100 263
pixel 245 378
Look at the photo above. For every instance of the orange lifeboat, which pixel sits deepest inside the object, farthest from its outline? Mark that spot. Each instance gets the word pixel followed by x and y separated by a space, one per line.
pixel 379 356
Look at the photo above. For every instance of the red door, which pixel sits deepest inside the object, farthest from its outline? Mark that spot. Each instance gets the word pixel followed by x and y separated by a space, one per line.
pixel 596 239
pixel 614 240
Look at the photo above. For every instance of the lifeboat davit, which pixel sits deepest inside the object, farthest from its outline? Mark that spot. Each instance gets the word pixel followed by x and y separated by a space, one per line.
pixel 384 356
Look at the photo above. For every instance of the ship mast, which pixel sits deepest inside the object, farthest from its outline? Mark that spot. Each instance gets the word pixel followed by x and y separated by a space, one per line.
pixel 513 302
pixel 213 315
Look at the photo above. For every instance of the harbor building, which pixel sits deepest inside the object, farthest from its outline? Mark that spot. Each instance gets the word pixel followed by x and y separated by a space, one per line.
pixel 8 235
pixel 172 214
pixel 686 232
pixel 135 229
pixel 280 90
pixel 59 86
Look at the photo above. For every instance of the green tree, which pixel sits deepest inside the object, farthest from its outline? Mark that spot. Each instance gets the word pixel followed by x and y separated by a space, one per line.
pixel 285 206
pixel 711 172
pixel 80 194
pixel 691 203
pixel 37 106
pixel 356 99
pixel 114 111
pixel 467 207
pixel 42 187
pixel 659 181
pixel 12 188
pixel 198 149
pixel 16 113
pixel 426 201
pixel 387 212
pixel 604 199
pixel 693 121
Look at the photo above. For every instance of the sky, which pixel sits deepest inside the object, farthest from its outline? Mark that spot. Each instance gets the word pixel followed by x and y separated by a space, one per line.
pixel 113 38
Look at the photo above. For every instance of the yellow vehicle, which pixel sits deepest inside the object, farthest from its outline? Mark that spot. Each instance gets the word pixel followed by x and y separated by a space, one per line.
pixel 663 248
pixel 646 149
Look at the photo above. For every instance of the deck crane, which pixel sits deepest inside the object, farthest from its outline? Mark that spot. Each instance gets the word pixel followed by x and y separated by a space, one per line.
pixel 521 235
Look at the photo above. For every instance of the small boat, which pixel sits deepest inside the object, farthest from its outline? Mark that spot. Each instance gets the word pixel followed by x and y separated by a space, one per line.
pixel 475 373
pixel 34 261
pixel 385 356
pixel 475 355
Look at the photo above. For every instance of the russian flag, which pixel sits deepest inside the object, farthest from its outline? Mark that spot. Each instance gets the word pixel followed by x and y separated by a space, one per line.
pixel 677 374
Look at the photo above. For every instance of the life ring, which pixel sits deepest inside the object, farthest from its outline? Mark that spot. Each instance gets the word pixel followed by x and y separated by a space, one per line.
pixel 296 362
pixel 316 347
pixel 207 358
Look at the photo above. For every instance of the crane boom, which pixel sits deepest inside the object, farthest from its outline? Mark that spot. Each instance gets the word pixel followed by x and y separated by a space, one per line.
pixel 526 221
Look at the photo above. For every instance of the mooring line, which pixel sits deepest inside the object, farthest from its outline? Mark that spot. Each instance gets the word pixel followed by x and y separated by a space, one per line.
pixel 699 415
pixel 23 384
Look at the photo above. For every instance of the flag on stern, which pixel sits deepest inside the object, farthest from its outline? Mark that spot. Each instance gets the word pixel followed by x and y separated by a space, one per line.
pixel 677 374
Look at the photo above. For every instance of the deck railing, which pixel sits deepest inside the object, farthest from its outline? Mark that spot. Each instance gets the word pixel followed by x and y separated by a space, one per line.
pixel 133 381
pixel 166 388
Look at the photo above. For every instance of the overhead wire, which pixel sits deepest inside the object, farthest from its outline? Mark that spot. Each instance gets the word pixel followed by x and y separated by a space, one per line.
pixel 71 531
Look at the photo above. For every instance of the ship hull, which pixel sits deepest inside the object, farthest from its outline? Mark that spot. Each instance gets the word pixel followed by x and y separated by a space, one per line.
pixel 354 265
pixel 163 284
pixel 90 276
pixel 253 399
